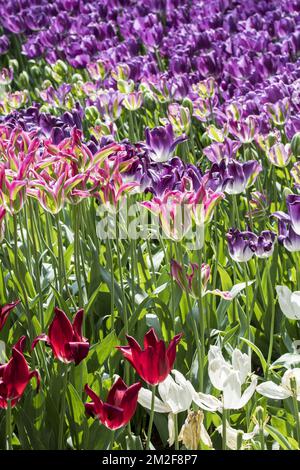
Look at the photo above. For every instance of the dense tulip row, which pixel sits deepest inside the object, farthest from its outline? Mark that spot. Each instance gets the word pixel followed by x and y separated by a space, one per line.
pixel 149 189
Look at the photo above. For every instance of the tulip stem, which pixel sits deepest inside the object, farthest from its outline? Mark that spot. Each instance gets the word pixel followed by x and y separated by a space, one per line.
pixel 8 427
pixel 271 299
pixel 296 409
pixel 176 432
pixel 63 410
pixel 112 440
pixel 153 388
pixel 224 429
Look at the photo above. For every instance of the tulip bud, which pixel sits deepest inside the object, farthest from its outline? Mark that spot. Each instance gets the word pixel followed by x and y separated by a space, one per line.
pixel 125 86
pixel 35 72
pixel 295 145
pixel 23 79
pixel 215 134
pixel 133 101
pixel 76 77
pixel 92 114
pixel 14 64
pixel 187 103
pixel 279 154
pixel 60 68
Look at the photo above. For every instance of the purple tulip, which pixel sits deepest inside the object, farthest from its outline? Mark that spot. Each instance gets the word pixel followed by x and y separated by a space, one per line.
pixel 293 206
pixel 265 244
pixel 241 245
pixel 161 142
pixel 287 236
pixel 232 176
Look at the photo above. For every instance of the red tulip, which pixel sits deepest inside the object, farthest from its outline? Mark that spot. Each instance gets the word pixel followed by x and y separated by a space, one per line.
pixel 4 312
pixel 66 340
pixel 15 376
pixel 120 405
pixel 155 361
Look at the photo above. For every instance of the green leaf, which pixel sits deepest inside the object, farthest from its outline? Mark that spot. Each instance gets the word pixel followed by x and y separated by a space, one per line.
pixel 258 352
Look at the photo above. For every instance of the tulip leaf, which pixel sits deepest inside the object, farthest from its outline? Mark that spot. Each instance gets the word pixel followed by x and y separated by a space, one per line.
pixel 100 351
pixel 258 352
pixel 282 441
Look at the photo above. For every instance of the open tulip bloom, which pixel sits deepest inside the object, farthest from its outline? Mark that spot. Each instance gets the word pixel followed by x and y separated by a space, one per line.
pixel 289 302
pixel 285 389
pixel 155 361
pixel 66 340
pixel 15 376
pixel 230 377
pixel 119 407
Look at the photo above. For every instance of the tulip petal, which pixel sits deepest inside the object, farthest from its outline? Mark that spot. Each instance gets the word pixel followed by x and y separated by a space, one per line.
pixel 145 397
pixel 271 390
pixel 171 351
pixel 76 351
pixel 207 402
pixel 77 324
pixel 60 334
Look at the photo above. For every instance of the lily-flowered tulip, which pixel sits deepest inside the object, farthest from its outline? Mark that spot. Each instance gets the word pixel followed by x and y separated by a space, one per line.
pixel 66 340
pixel 161 142
pixel 287 235
pixel 286 389
pixel 230 377
pixel 232 176
pixel 176 396
pixel 5 310
pixel 241 245
pixel 15 376
pixel 245 131
pixel 293 205
pixel 189 281
pixel 174 212
pixel 155 361
pixel 119 407
pixel 289 302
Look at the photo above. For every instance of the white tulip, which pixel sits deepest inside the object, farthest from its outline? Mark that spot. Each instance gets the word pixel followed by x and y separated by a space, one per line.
pixel 284 390
pixel 289 302
pixel 229 377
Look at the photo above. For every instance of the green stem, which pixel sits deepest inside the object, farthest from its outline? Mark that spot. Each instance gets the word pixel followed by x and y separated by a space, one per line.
pixel 224 429
pixel 63 410
pixel 176 431
pixel 153 388
pixel 8 427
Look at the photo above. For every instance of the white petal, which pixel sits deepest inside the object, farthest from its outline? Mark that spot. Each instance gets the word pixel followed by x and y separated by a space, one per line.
pixel 171 429
pixel 241 363
pixel 204 436
pixel 248 393
pixel 295 301
pixel 218 371
pixel 271 390
pixel 145 397
pixel 232 391
pixel 207 402
pixel 284 299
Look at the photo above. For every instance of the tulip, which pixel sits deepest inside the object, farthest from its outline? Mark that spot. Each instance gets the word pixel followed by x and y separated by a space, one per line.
pixel 293 205
pixel 155 361
pixel 232 176
pixel 287 236
pixel 189 281
pixel 66 340
pixel 193 431
pixel 229 377
pixel 15 376
pixel 6 76
pixel 265 244
pixel 245 131
pixel 161 143
pixel 120 406
pixel 241 245
pixel 176 395
pixel 289 302
pixel 174 211
pixel 279 111
pixel 285 389
pixel 279 154
pixel 4 312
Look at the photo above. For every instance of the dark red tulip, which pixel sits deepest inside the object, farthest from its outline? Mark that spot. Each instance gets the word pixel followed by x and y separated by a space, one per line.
pixel 66 340
pixel 4 312
pixel 119 407
pixel 155 361
pixel 15 375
